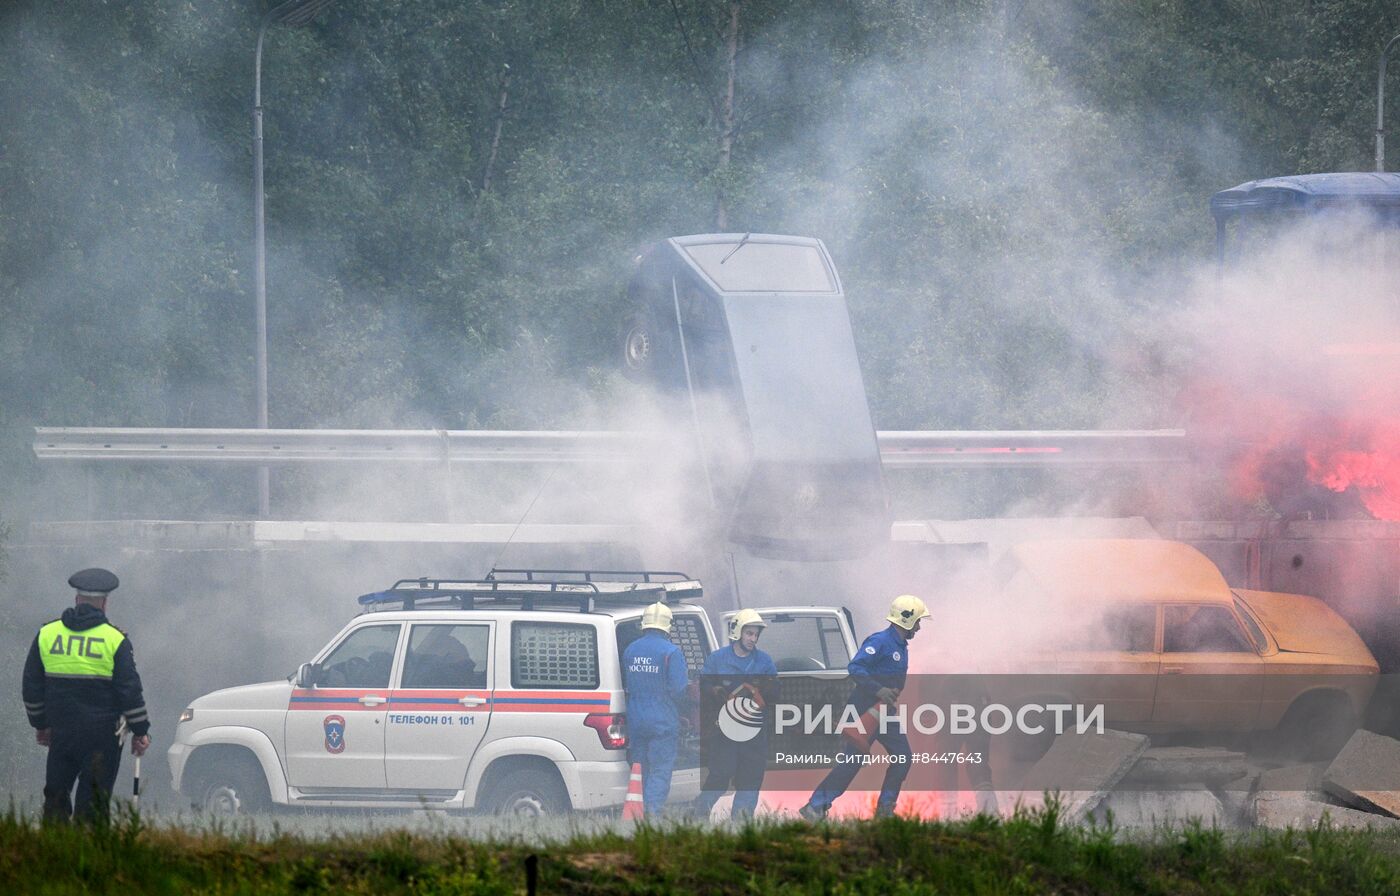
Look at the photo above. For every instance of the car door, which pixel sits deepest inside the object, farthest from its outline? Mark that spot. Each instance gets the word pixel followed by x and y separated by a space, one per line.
pixel 1211 675
pixel 1113 661
pixel 440 707
pixel 335 729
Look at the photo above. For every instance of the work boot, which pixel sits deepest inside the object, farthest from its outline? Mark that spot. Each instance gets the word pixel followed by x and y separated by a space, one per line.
pixel 811 813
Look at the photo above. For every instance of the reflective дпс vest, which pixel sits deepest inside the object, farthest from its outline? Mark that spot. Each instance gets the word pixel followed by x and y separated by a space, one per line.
pixel 80 676
pixel 88 654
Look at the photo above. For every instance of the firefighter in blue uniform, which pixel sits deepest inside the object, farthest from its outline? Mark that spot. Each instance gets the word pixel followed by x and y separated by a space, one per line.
pixel 877 673
pixel 740 665
pixel 654 675
pixel 80 685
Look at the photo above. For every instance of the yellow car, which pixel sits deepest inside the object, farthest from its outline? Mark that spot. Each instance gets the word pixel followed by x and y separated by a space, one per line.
pixel 1168 646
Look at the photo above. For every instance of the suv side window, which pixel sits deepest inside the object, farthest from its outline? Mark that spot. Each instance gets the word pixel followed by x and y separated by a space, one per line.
pixel 1191 629
pixel 448 657
pixel 363 660
pixel 555 655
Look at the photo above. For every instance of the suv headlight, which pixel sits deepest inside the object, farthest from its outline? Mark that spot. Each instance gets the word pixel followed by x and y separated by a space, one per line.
pixel 186 715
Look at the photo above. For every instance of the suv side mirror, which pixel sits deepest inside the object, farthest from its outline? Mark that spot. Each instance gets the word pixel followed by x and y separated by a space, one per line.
pixel 307 674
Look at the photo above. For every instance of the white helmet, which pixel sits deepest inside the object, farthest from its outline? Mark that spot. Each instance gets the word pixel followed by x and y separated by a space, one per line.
pixel 742 619
pixel 657 616
pixel 906 611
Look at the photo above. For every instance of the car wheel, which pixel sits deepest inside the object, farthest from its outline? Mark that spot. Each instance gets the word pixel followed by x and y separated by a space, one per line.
pixel 528 793
pixel 1026 747
pixel 234 790
pixel 1316 727
pixel 1031 747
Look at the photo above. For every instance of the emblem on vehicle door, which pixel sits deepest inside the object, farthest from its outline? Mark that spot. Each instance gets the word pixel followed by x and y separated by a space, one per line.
pixel 335 734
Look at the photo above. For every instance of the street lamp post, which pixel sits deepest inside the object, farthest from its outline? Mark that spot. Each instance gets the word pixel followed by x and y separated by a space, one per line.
pixel 291 13
pixel 1380 105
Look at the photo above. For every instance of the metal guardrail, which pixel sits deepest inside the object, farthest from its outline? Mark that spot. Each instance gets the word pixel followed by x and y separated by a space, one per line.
pixel 262 446
pixel 898 449
pixel 966 448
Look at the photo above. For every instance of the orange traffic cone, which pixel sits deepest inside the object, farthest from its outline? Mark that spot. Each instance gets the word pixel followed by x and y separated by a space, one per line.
pixel 633 809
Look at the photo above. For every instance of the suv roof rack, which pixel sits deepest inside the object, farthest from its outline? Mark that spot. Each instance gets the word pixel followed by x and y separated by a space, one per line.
pixel 646 576
pixel 543 589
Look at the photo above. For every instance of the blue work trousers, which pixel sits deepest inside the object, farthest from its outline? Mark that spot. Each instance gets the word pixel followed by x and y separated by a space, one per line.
pixel 657 754
pixel 725 762
pixel 841 775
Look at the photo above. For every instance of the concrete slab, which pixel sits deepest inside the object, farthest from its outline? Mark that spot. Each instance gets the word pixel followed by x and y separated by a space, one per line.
pixel 1184 765
pixel 1237 796
pixel 1145 810
pixel 1295 810
pixel 1305 779
pixel 1366 774
pixel 1082 769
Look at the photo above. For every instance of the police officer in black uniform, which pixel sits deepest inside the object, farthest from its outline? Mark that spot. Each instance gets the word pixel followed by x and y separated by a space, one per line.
pixel 80 684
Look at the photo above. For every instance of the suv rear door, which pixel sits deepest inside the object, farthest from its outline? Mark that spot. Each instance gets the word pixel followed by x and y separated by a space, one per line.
pixel 440 709
pixel 691 632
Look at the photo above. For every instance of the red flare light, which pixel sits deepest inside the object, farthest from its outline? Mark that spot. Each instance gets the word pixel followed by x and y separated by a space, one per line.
pixel 1297 441
pixel 1366 459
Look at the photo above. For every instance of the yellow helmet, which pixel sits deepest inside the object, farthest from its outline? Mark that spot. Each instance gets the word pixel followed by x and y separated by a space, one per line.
pixel 906 610
pixel 742 619
pixel 657 616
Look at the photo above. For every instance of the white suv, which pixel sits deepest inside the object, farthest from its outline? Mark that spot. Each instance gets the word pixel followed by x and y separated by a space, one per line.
pixel 504 694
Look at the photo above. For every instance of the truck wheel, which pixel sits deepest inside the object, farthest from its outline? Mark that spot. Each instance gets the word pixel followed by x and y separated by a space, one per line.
pixel 527 793
pixel 233 790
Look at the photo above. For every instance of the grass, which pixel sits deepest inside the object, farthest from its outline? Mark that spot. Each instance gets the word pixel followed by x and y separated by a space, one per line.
pixel 1031 853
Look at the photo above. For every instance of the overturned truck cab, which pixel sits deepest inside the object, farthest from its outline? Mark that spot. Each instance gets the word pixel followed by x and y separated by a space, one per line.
pixel 751 333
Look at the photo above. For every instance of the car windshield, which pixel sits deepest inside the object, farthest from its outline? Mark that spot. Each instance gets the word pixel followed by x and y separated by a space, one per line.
pixel 1255 632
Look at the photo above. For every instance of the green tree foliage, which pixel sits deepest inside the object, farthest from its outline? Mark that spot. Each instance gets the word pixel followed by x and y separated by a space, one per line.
pixel 455 193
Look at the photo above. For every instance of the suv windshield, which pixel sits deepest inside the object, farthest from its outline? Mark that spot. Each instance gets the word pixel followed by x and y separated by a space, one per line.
pixel 763 267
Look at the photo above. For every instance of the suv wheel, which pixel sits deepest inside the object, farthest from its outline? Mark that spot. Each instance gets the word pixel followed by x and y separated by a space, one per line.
pixel 527 793
pixel 650 353
pixel 638 345
pixel 233 790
